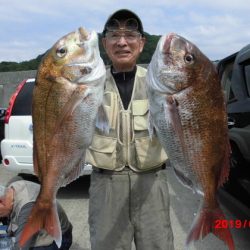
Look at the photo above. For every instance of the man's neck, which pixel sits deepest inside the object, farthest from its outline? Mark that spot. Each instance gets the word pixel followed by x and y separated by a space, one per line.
pixel 116 69
pixel 123 74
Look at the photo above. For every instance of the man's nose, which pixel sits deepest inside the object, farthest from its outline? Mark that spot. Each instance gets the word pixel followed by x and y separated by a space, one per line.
pixel 122 40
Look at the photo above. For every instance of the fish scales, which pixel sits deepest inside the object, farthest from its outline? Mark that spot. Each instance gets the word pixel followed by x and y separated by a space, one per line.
pixel 67 100
pixel 187 112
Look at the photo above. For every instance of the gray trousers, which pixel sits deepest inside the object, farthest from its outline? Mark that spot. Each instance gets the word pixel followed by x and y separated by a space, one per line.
pixel 127 206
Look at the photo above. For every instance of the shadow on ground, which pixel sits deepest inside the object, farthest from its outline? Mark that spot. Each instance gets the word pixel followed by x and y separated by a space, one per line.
pixel 77 189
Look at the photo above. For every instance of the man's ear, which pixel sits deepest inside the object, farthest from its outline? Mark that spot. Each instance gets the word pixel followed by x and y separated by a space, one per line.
pixel 142 43
pixel 104 42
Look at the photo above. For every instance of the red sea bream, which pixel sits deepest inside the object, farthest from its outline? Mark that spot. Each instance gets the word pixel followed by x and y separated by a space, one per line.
pixel 187 112
pixel 67 99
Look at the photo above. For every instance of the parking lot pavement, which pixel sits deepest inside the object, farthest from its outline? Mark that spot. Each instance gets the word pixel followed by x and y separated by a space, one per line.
pixel 74 199
pixel 184 206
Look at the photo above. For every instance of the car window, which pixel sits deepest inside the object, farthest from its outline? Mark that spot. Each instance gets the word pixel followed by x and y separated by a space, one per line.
pixel 23 101
pixel 231 96
pixel 247 77
pixel 226 83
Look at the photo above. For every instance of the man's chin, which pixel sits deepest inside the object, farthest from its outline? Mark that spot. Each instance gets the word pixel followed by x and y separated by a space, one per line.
pixel 123 57
pixel 124 66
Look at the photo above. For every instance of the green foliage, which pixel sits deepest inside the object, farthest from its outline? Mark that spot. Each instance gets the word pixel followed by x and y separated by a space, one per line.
pixel 145 57
pixel 22 66
pixel 149 48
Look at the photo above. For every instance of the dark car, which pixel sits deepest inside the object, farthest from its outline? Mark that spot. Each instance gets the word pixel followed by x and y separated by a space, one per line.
pixel 234 71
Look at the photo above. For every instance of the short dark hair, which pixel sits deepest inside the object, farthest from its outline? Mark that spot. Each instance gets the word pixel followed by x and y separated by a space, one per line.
pixel 123 14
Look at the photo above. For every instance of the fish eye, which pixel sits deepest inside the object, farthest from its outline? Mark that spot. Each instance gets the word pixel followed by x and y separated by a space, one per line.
pixel 61 52
pixel 189 58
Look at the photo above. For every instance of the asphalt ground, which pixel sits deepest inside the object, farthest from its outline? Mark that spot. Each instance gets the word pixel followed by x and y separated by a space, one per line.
pixel 184 206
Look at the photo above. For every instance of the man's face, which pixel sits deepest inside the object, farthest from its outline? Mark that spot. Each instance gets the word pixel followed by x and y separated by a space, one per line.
pixel 6 203
pixel 123 47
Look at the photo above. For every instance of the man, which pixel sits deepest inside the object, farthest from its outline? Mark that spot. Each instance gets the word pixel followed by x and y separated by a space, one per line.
pixel 16 202
pixel 129 197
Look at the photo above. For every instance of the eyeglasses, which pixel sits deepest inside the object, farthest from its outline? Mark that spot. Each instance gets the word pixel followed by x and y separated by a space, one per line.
pixel 129 24
pixel 129 36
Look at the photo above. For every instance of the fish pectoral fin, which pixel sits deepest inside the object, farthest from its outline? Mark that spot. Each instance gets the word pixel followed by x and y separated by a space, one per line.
pixel 102 122
pixel 173 118
pixel 81 92
pixel 172 115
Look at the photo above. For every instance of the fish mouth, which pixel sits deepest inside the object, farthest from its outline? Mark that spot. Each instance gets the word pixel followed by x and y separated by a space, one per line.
pixel 86 40
pixel 91 65
pixel 173 43
pixel 172 48
pixel 166 46
pixel 86 37
pixel 84 34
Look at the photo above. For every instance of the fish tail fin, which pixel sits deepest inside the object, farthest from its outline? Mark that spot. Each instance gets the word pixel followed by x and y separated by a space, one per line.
pixel 42 217
pixel 205 223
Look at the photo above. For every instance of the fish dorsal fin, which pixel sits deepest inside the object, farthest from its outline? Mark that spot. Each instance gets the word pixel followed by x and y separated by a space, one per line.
pixel 172 117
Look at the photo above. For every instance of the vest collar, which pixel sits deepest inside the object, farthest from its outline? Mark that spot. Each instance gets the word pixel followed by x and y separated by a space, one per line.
pixel 123 76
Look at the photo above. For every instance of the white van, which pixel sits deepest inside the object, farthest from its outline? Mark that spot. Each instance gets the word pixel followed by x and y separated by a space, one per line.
pixel 17 145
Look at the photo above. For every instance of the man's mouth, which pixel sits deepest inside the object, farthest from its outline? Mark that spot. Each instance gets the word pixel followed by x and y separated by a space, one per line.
pixel 122 52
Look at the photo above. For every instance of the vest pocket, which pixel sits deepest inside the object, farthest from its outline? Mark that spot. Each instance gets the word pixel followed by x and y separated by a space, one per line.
pixel 140 114
pixel 102 152
pixel 149 152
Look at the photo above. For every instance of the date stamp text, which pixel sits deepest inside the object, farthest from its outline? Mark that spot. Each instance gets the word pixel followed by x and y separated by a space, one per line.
pixel 231 224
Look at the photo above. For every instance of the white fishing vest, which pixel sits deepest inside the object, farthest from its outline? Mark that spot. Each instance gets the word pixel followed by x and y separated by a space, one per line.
pixel 128 142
